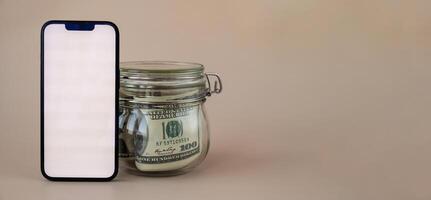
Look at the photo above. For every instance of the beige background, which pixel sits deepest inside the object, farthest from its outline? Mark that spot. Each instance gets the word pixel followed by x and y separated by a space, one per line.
pixel 323 99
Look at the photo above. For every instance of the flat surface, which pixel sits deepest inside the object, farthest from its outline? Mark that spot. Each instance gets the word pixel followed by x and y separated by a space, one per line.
pixel 322 100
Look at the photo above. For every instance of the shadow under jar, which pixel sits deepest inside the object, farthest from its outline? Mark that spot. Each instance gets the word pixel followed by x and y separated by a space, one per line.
pixel 163 125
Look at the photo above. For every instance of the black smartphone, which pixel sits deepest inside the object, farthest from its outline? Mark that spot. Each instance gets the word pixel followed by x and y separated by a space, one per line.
pixel 79 100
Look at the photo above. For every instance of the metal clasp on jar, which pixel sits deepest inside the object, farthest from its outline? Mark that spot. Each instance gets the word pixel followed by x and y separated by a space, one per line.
pixel 218 87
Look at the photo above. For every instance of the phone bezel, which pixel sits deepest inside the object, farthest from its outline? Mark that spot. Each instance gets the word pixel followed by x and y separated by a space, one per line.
pixel 117 85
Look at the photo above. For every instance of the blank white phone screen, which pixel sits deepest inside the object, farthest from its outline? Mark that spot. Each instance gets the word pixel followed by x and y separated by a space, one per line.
pixel 79 101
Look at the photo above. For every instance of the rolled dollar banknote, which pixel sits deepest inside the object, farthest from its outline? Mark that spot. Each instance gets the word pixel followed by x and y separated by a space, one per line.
pixel 168 138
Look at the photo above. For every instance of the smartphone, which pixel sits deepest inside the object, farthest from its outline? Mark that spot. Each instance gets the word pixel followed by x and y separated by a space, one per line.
pixel 79 100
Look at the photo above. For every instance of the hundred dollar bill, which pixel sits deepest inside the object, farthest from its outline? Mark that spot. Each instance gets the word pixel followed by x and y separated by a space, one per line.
pixel 168 138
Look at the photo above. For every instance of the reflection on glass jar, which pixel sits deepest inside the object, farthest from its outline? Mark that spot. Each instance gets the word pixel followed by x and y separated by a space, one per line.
pixel 163 125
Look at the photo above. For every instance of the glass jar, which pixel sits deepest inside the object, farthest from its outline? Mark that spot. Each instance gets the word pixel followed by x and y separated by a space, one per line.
pixel 163 125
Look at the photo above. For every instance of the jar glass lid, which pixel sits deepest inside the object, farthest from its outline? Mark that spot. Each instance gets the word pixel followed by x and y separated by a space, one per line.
pixel 161 67
pixel 163 80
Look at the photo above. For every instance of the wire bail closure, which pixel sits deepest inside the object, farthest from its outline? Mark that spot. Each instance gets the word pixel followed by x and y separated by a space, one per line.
pixel 218 87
